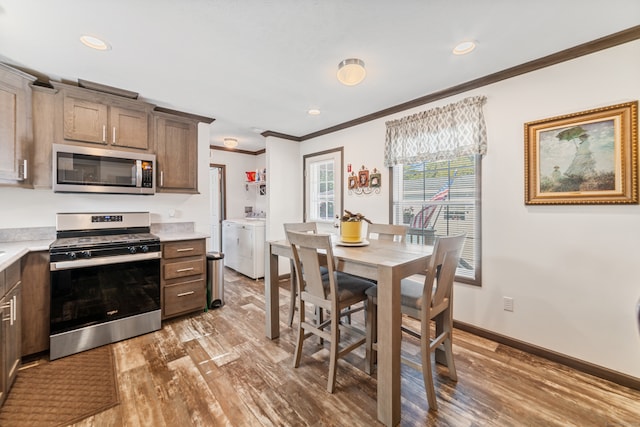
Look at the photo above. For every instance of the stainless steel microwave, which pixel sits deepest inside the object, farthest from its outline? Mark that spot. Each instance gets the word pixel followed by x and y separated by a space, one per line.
pixel 78 169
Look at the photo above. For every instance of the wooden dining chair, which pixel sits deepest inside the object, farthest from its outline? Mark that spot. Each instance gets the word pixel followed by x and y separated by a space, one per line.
pixel 394 232
pixel 426 301
pixel 332 292
pixel 301 227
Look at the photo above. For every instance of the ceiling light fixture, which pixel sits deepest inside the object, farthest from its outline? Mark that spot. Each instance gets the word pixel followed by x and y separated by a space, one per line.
pixel 94 42
pixel 464 47
pixel 230 142
pixel 351 71
pixel 313 112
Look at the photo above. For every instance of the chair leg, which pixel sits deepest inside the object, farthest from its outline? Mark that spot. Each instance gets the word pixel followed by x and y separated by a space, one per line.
pixel 372 335
pixel 448 346
pixel 293 288
pixel 427 371
pixel 300 340
pixel 333 356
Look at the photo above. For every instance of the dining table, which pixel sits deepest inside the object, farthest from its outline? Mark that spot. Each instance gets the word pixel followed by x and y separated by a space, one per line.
pixel 387 262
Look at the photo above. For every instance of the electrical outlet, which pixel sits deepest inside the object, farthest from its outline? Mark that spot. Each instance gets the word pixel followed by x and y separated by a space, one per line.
pixel 508 304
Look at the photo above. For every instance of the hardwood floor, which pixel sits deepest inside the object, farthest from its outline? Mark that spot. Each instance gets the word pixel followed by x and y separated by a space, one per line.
pixel 218 368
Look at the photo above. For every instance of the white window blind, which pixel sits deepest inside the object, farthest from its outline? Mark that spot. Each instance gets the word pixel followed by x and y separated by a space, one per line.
pixel 441 198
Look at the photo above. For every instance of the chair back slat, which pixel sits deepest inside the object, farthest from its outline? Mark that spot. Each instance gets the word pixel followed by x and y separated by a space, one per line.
pixel 302 227
pixel 392 232
pixel 308 252
pixel 441 271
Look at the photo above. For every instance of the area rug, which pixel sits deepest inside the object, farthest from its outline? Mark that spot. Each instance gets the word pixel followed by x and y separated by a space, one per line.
pixel 63 391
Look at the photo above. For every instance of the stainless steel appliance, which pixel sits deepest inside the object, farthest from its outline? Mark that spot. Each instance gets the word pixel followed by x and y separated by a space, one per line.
pixel 96 170
pixel 105 280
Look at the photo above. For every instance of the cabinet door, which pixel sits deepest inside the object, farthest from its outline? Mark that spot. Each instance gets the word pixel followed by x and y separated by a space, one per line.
pixel 35 306
pixel 84 120
pixel 129 128
pixel 12 323
pixel 3 350
pixel 15 124
pixel 177 154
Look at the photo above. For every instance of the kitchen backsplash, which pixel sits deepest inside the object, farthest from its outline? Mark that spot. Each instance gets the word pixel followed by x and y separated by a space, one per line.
pixel 172 227
pixel 29 233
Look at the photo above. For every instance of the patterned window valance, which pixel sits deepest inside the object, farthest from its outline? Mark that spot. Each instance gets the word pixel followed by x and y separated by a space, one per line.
pixel 442 133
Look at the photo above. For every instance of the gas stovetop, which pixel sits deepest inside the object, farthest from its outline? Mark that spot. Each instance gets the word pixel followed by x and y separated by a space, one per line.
pixel 93 241
pixel 91 235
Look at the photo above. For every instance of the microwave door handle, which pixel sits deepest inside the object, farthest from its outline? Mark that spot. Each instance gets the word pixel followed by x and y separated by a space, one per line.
pixel 138 173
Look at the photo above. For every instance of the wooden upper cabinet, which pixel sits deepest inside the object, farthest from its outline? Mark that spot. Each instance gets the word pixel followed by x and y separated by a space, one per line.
pixel 16 129
pixel 102 118
pixel 129 128
pixel 176 141
pixel 84 120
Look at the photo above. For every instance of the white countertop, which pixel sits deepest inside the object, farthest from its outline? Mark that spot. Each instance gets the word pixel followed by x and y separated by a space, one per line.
pixel 181 235
pixel 13 251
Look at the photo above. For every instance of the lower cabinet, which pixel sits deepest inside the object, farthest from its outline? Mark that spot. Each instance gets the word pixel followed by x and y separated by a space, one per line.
pixel 183 277
pixel 10 330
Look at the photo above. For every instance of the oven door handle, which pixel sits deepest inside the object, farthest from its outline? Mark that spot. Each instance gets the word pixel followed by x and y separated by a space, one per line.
pixel 92 262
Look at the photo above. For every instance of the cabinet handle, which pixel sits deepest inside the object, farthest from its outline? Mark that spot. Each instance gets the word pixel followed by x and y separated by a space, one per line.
pixel 182 270
pixel 14 310
pixel 113 135
pixel 161 178
pixel 10 306
pixel 184 294
pixel 104 133
pixel 24 169
pixel 184 249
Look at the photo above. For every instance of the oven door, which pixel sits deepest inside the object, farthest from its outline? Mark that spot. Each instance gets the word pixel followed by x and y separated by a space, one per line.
pixel 90 292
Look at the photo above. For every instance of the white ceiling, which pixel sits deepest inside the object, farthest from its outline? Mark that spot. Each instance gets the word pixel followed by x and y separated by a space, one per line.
pixel 261 64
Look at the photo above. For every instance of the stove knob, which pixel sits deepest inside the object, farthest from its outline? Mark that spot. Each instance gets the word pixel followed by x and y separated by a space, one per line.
pixel 86 254
pixel 132 249
pixel 144 248
pixel 71 255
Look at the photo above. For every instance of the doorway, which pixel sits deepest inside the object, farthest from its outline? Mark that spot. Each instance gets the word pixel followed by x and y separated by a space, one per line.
pixel 217 209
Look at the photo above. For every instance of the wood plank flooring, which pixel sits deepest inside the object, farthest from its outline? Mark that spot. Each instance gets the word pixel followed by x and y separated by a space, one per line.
pixel 219 369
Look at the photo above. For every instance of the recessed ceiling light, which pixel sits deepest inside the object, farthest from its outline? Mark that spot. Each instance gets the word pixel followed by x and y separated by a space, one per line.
pixel 94 42
pixel 313 112
pixel 464 47
pixel 351 71
pixel 230 142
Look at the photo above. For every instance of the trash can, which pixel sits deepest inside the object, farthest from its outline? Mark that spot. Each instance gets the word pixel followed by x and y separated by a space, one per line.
pixel 215 279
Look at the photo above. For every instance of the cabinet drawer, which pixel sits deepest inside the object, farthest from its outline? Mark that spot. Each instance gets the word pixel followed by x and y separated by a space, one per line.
pixel 184 297
pixel 183 248
pixel 188 267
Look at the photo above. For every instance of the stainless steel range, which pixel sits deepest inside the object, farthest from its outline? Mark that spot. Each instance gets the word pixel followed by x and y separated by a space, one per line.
pixel 105 280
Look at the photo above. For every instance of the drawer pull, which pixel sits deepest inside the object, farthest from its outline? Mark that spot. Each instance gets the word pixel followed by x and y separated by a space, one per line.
pixel 182 270
pixel 184 250
pixel 184 294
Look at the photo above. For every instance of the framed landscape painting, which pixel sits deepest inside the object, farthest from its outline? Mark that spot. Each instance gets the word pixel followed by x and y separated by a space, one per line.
pixel 590 157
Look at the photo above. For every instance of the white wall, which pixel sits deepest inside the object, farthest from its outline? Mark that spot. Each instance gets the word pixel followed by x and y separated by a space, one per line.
pixel 570 269
pixel 22 208
pixel 237 194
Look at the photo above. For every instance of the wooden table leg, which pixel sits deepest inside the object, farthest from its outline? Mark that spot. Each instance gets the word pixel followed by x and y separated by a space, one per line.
pixel 389 335
pixel 272 297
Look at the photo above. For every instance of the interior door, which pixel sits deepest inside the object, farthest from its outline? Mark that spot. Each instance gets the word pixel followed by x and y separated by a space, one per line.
pixel 217 201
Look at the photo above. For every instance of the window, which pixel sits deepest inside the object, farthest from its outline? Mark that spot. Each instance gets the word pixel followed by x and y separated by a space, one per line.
pixel 441 198
pixel 323 186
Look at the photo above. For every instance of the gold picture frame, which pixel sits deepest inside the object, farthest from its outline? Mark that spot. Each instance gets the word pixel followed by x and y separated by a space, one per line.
pixel 590 157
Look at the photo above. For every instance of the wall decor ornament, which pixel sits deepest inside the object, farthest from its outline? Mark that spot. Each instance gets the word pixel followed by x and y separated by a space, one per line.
pixel 364 182
pixel 589 157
